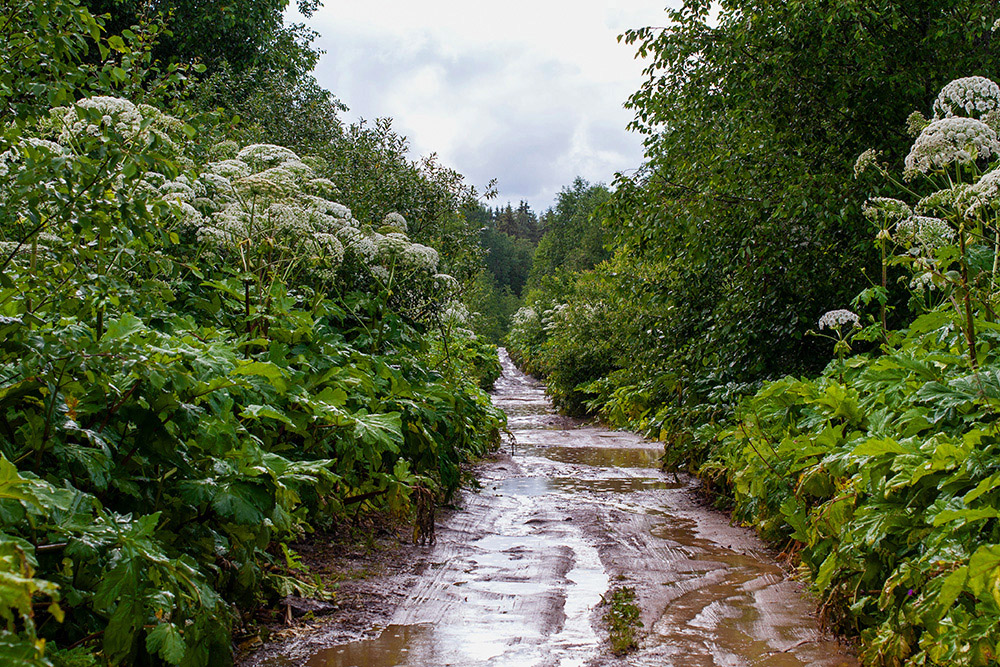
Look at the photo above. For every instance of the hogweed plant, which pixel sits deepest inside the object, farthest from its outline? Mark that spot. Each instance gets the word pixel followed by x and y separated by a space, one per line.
pixel 950 236
pixel 841 324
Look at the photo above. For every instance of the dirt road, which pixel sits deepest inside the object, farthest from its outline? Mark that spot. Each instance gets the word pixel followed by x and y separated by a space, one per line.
pixel 518 572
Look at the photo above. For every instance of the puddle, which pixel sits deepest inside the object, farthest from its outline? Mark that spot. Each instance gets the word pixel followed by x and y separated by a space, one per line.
pixel 537 486
pixel 617 485
pixel 524 486
pixel 517 575
pixel 392 647
pixel 598 457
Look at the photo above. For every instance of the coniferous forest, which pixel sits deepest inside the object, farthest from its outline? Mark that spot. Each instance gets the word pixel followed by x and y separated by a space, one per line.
pixel 231 321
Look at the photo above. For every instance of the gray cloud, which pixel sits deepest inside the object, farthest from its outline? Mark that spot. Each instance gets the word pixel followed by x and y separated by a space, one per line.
pixel 533 110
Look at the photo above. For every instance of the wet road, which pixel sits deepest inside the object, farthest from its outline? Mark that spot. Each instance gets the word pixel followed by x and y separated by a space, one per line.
pixel 518 573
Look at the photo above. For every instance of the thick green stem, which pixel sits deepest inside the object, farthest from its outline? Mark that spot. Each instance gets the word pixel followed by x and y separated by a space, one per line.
pixel 885 327
pixel 970 328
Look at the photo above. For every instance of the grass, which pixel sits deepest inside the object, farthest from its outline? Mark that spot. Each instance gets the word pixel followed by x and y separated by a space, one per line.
pixel 623 621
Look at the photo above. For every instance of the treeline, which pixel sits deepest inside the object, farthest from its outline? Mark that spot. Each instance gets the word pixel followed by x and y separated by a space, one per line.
pixel 523 251
pixel 227 321
pixel 821 354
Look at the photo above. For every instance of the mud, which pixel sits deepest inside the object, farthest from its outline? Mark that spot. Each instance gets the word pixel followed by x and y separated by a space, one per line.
pixel 519 571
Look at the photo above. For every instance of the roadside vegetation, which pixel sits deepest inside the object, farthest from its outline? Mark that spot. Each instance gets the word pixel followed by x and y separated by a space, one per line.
pixel 216 337
pixel 800 301
pixel 622 619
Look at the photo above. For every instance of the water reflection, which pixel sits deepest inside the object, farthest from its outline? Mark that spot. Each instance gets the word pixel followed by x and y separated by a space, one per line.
pixel 392 647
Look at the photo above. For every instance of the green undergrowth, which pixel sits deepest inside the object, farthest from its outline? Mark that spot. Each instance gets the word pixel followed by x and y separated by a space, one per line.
pixel 203 360
pixel 883 475
pixel 880 476
pixel 622 619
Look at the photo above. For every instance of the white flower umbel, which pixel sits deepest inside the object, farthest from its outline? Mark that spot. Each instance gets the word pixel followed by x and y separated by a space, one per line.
pixel 455 314
pixel 924 231
pixel 945 201
pixel 326 207
pixel 446 283
pixel 395 220
pixel 951 140
pixel 188 214
pixel 50 146
pixel 421 257
pixel 864 161
pixel 116 114
pixel 390 246
pixel 330 248
pixel 524 315
pixel 216 187
pixel 877 208
pixel 266 155
pixel 984 194
pixel 275 183
pixel 178 190
pixel 357 242
pixel 835 319
pixel 322 187
pixel 915 124
pixel 973 96
pixel 229 168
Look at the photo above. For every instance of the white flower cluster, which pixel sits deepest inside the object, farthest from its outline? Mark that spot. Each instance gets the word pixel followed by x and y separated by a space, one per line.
pixel 973 96
pixel 951 140
pixel 265 155
pixel 229 168
pixel 984 193
pixel 395 220
pixel 446 284
pixel 864 161
pixel 915 124
pixel 268 195
pixel 421 257
pixel 455 314
pixel 523 316
pixel 923 281
pixel 888 208
pixel 924 231
pixel 361 244
pixel 16 152
pixel 835 319
pixel 943 201
pixel 262 203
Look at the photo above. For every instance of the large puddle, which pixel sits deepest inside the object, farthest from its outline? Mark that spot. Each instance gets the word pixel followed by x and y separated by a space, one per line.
pixel 518 574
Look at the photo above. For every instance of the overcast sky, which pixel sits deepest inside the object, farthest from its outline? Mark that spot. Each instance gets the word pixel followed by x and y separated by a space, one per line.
pixel 530 92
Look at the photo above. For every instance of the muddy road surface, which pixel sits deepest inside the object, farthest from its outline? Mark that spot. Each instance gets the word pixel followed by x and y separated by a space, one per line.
pixel 518 572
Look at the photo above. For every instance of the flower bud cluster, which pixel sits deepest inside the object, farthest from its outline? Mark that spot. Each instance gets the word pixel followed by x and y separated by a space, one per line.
pixel 835 319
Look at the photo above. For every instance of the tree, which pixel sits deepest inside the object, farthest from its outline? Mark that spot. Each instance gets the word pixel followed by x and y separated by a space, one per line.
pixel 574 237
pixel 42 44
pixel 753 121
pixel 242 33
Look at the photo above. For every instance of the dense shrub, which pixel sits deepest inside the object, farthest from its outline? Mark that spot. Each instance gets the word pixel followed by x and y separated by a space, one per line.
pixel 201 362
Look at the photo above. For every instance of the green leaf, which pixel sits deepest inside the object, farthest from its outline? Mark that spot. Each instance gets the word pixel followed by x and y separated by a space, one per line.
pixel 13 486
pixel 984 572
pixel 985 486
pixel 244 503
pixel 825 573
pixel 876 447
pixel 123 327
pixel 263 369
pixel 952 587
pixel 266 411
pixel 966 515
pixel 166 640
